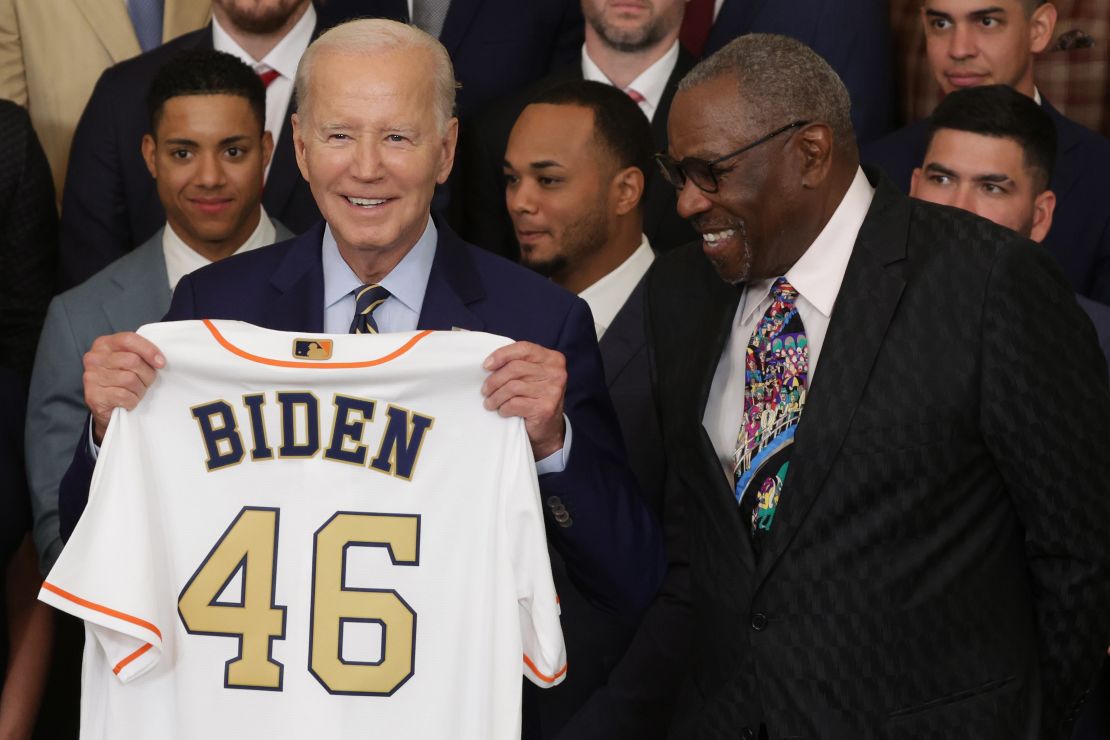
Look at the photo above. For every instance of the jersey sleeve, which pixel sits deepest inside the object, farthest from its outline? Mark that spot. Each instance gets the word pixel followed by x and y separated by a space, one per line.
pixel 541 634
pixel 107 574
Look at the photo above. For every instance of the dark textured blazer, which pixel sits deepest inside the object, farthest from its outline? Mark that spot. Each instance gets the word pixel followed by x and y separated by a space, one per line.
pixel 110 204
pixel 478 211
pixel 939 566
pixel 28 239
pixel 596 640
pixel 496 46
pixel 853 36
pixel 1080 234
pixel 610 542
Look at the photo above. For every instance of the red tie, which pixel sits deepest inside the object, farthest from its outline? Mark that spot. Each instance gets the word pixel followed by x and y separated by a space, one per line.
pixel 635 95
pixel 268 76
pixel 695 25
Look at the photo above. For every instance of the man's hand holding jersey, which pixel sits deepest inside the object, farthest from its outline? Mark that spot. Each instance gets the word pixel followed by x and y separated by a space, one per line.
pixel 525 380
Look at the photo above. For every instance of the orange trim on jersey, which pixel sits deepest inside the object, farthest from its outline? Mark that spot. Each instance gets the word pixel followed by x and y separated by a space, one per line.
pixel 293 363
pixel 123 663
pixel 102 609
pixel 546 679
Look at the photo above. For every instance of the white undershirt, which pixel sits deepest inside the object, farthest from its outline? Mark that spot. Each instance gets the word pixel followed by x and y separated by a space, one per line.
pixel 181 259
pixel 650 83
pixel 817 277
pixel 608 295
pixel 283 59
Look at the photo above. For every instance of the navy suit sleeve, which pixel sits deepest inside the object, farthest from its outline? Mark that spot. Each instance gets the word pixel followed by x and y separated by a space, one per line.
pixel 73 491
pixel 611 542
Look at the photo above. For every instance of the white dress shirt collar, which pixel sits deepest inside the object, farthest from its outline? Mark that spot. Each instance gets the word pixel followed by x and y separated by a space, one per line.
pixel 608 295
pixel 284 57
pixel 181 259
pixel 650 83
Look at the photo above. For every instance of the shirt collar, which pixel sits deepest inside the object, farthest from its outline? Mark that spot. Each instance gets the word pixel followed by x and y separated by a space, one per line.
pixel 608 295
pixel 650 83
pixel 284 57
pixel 817 275
pixel 407 282
pixel 181 259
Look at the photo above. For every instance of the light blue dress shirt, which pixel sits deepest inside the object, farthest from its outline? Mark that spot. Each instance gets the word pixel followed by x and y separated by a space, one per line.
pixel 406 283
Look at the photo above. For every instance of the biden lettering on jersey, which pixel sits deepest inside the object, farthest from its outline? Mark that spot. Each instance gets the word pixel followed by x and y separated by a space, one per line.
pixel 298 424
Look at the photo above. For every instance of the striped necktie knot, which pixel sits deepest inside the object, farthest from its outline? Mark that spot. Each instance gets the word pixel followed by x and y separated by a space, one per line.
pixel 367 298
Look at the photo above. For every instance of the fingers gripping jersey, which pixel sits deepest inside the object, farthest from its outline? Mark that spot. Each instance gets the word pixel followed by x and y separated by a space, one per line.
pixel 295 537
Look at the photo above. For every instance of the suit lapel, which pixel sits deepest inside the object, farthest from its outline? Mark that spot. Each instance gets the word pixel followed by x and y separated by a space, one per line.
pixel 735 19
pixel 112 25
pixel 453 284
pixel 142 289
pixel 707 346
pixel 284 173
pixel 862 313
pixel 460 14
pixel 298 282
pixel 682 65
pixel 1063 176
pixel 625 336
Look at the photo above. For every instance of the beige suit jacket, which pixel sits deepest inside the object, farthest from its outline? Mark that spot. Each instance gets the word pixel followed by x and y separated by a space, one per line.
pixel 53 51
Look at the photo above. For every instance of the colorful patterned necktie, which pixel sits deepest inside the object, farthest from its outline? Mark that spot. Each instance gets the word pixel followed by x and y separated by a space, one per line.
pixel 367 298
pixel 777 366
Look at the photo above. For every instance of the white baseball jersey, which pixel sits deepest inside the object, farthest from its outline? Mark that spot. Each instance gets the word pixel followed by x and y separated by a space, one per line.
pixel 311 537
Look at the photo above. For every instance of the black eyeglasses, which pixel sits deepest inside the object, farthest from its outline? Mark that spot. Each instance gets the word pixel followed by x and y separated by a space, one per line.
pixel 704 173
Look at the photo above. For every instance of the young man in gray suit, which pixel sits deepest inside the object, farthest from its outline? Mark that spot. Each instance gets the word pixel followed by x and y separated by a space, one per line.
pixel 207 153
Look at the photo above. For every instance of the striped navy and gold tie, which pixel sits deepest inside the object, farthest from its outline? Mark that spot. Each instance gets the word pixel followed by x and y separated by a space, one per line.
pixel 367 298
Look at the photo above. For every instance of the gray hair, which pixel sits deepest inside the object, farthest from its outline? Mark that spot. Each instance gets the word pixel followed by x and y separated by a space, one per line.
pixel 781 80
pixel 370 36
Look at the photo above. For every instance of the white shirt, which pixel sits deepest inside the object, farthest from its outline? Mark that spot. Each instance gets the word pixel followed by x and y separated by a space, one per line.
pixel 817 277
pixel 283 59
pixel 181 259
pixel 608 295
pixel 650 83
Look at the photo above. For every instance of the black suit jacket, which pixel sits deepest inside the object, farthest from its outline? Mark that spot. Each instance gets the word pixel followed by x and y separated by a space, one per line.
pixel 110 204
pixel 938 566
pixel 496 46
pixel 596 640
pixel 478 211
pixel 853 36
pixel 28 239
pixel 1080 234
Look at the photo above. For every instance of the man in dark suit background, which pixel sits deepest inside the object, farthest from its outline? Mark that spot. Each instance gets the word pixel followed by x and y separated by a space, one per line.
pixel 496 46
pixel 634 48
pixel 991 151
pixel 111 204
pixel 374 136
pixel 884 423
pixel 575 169
pixel 853 36
pixel 985 42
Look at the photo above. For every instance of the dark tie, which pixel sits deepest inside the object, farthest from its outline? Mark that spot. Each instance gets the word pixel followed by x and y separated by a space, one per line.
pixel 775 376
pixel 367 298
pixel 146 17
pixel 428 15
pixel 696 23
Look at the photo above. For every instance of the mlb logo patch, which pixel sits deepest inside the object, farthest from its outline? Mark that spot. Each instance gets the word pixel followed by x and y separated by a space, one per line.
pixel 312 349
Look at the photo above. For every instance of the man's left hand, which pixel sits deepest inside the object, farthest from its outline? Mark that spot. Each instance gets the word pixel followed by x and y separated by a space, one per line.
pixel 529 381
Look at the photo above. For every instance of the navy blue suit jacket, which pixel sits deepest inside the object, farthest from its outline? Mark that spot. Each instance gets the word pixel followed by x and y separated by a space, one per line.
pixel 496 46
pixel 110 202
pixel 853 36
pixel 611 543
pixel 1080 234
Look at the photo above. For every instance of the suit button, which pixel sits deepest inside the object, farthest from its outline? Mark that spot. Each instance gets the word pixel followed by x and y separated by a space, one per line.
pixel 748 734
pixel 759 621
pixel 566 522
pixel 561 515
pixel 554 502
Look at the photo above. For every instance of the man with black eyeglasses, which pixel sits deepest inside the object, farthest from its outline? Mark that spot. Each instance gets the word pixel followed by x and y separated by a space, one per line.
pixel 913 545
